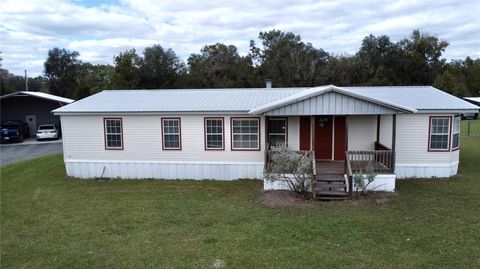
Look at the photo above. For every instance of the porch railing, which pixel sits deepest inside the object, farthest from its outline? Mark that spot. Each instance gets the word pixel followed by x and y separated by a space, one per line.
pixel 270 153
pixel 380 146
pixel 380 161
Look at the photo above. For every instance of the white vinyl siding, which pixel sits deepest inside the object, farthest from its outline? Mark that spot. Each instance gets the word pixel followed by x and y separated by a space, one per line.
pixel 386 130
pixel 412 142
pixel 83 140
pixel 362 132
pixel 294 133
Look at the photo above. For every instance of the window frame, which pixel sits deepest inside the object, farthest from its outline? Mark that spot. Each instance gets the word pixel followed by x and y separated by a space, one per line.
pixel 453 133
pixel 286 129
pixel 205 119
pixel 259 133
pixel 105 134
pixel 449 135
pixel 179 133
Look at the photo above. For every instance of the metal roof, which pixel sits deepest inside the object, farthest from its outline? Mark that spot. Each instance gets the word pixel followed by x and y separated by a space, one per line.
pixel 473 99
pixel 179 100
pixel 243 100
pixel 42 95
pixel 416 97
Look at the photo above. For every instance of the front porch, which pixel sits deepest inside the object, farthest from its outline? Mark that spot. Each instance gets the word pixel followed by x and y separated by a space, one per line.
pixel 343 133
pixel 340 160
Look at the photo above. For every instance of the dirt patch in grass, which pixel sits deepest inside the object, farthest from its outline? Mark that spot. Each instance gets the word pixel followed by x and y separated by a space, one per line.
pixel 283 199
pixel 371 198
pixel 292 199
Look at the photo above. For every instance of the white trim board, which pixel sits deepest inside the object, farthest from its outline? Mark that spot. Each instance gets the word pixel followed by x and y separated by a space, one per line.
pixel 161 162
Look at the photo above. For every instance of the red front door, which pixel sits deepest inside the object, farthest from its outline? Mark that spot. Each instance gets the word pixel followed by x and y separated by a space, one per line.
pixel 323 137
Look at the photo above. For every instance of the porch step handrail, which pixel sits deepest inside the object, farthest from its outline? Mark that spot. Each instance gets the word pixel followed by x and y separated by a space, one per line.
pixel 314 175
pixel 349 173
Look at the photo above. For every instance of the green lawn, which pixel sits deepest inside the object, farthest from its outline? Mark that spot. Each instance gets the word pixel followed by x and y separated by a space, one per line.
pixel 51 221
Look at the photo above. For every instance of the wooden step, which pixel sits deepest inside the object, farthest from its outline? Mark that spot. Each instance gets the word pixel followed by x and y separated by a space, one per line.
pixel 331 185
pixel 337 198
pixel 332 193
pixel 330 179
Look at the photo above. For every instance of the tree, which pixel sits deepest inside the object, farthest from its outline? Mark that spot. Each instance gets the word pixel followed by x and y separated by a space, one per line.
pixel 93 79
pixel 286 59
pixel 220 66
pixel 61 70
pixel 451 83
pixel 472 76
pixel 460 78
pixel 420 61
pixel 379 58
pixel 159 68
pixel 126 70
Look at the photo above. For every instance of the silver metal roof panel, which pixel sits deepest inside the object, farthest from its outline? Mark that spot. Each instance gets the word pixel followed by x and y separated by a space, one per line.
pixel 243 100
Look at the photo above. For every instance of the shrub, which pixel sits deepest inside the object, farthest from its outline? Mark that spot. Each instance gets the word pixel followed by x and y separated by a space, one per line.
pixel 293 168
pixel 359 180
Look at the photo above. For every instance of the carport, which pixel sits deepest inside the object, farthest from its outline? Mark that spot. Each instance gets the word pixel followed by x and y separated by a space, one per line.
pixel 33 108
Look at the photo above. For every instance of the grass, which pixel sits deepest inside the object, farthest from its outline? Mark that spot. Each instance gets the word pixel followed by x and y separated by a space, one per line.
pixel 51 221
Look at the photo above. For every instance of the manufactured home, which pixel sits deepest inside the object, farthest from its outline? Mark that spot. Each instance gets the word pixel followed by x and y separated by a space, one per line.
pixel 226 134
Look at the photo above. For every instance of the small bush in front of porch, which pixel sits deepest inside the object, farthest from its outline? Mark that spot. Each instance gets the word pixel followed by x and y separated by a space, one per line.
pixel 361 180
pixel 293 168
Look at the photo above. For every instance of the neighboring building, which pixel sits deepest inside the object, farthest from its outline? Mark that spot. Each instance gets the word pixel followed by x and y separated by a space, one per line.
pixel 225 134
pixel 473 100
pixel 471 116
pixel 34 108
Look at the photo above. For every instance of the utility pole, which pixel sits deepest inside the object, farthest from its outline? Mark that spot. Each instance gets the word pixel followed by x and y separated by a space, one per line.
pixel 26 81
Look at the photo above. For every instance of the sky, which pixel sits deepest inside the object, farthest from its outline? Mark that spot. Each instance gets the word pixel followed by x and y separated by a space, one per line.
pixel 98 30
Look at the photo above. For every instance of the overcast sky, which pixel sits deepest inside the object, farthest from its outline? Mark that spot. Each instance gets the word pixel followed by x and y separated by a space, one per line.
pixel 98 30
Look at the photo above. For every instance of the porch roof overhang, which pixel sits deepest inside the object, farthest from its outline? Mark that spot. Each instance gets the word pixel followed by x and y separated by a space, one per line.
pixel 328 100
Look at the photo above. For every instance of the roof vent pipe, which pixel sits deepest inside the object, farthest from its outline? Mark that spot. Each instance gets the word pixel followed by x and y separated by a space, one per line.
pixel 268 83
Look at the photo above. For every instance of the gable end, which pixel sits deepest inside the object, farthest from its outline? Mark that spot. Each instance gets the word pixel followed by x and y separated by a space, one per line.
pixel 331 103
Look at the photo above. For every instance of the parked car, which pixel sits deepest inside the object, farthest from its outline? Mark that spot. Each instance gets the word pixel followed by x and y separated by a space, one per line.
pixel 13 131
pixel 470 116
pixel 48 131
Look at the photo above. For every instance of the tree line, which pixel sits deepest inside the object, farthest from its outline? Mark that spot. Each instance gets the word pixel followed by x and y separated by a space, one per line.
pixel 281 56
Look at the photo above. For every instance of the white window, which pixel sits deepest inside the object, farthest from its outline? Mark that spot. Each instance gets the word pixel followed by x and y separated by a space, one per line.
pixel 113 133
pixel 245 134
pixel 456 133
pixel 171 133
pixel 214 134
pixel 277 132
pixel 439 133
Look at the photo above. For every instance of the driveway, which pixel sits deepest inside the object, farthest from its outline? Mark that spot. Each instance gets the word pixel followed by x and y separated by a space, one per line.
pixel 10 153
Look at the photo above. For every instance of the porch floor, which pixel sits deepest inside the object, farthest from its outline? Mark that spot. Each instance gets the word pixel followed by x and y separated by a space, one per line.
pixel 330 167
pixel 326 167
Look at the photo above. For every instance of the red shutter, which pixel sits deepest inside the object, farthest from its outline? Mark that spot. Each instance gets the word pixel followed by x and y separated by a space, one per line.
pixel 305 133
